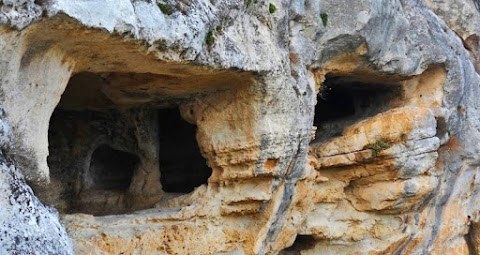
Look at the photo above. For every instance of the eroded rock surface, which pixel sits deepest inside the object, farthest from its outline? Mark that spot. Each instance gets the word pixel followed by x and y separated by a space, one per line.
pixel 239 127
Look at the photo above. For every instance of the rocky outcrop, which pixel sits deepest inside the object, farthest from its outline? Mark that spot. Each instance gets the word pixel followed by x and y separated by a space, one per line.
pixel 239 127
pixel 27 226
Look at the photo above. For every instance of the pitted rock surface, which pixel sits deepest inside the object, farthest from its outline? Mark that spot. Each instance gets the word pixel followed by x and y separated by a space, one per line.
pixel 239 127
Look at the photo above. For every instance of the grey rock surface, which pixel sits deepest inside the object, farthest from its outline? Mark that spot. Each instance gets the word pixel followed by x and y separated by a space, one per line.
pixel 397 176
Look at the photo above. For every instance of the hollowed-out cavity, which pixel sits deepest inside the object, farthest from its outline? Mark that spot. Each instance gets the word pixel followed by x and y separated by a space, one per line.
pixel 111 169
pixel 344 100
pixel 182 166
pixel 113 155
pixel 302 242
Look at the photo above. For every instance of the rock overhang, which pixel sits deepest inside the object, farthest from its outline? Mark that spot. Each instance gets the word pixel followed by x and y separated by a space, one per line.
pixel 255 136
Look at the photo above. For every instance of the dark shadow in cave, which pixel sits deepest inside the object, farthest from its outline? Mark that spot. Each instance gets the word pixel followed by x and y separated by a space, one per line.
pixel 111 169
pixel 345 100
pixel 182 166
pixel 302 242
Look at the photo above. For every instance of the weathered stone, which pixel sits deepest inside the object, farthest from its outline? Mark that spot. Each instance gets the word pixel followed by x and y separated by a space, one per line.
pixel 239 127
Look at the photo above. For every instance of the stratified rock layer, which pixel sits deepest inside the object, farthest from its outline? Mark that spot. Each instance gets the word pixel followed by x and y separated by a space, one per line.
pixel 239 127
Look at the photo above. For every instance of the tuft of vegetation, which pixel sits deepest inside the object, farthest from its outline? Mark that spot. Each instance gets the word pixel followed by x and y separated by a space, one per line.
pixel 219 29
pixel 210 39
pixel 324 17
pixel 378 146
pixel 248 3
pixel 162 45
pixel 272 8
pixel 165 9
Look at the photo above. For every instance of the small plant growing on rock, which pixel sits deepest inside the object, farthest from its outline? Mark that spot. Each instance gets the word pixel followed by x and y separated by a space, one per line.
pixel 162 45
pixel 272 8
pixel 210 39
pixel 324 17
pixel 377 146
pixel 219 29
pixel 164 8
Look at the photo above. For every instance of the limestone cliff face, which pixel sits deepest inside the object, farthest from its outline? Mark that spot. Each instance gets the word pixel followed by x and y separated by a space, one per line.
pixel 239 127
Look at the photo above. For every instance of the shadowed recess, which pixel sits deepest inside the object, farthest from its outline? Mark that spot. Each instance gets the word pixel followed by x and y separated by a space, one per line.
pixel 302 242
pixel 345 100
pixel 112 169
pixel 182 166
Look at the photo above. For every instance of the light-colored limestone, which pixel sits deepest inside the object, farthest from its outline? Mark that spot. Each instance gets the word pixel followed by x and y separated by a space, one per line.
pixel 398 176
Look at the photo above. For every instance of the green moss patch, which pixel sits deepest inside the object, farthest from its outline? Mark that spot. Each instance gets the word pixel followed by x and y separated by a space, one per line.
pixel 272 8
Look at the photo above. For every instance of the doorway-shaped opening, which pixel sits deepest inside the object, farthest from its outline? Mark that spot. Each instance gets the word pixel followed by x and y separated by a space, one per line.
pixel 182 166
pixel 345 100
pixel 111 169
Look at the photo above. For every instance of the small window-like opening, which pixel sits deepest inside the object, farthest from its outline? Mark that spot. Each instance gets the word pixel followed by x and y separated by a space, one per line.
pixel 182 166
pixel 345 100
pixel 111 169
pixel 302 242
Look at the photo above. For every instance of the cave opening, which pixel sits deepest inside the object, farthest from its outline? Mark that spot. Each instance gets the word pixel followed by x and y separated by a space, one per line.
pixel 345 100
pixel 182 166
pixel 301 243
pixel 112 158
pixel 111 169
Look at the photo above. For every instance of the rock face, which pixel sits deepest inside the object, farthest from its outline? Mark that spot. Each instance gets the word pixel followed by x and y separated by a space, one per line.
pixel 239 127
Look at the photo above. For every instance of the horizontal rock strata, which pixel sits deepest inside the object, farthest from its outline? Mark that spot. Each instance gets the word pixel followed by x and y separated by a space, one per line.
pixel 239 127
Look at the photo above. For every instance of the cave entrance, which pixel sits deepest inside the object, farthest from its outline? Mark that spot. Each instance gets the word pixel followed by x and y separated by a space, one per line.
pixel 301 243
pixel 112 158
pixel 182 166
pixel 111 169
pixel 345 100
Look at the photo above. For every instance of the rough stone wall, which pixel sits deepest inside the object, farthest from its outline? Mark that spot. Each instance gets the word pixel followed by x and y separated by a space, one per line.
pixel 330 127
pixel 27 226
